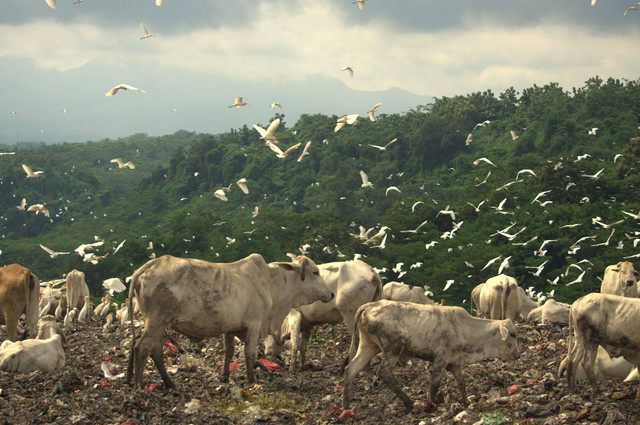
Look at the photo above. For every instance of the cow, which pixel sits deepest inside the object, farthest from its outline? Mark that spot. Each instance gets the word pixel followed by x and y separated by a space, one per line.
pixel 551 311
pixel 43 354
pixel 19 293
pixel 353 282
pixel 604 367
pixel 607 320
pixel 247 298
pixel 620 279
pixel 500 297
pixel 397 291
pixel 77 289
pixel 449 337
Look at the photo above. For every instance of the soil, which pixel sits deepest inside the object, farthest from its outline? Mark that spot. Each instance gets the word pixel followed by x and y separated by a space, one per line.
pixel 523 391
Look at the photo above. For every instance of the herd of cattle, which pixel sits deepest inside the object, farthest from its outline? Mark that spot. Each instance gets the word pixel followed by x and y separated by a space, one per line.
pixel 251 299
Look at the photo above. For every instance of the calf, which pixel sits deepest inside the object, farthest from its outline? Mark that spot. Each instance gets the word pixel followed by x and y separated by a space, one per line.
pixel 44 354
pixel 607 320
pixel 397 291
pixel 353 282
pixel 448 337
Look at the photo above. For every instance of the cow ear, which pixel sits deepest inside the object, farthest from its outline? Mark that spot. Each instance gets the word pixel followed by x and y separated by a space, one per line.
pixel 504 332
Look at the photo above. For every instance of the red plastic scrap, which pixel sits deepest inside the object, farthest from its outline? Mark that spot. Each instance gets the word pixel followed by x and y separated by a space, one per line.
pixel 514 389
pixel 274 367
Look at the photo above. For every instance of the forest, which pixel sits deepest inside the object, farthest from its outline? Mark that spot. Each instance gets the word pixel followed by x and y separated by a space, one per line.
pixel 558 188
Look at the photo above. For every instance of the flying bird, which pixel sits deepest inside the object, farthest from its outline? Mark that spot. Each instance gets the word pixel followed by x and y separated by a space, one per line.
pixel 305 151
pixel 31 173
pixel 384 148
pixel 238 102
pixel 477 161
pixel 52 253
pixel 125 87
pixel 349 69
pixel 634 7
pixel 242 183
pixel 268 134
pixel 372 111
pixel 145 32
pixel 365 180
pixel 347 119
pixel 122 164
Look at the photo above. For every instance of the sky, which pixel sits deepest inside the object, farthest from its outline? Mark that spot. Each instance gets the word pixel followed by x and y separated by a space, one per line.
pixel 403 53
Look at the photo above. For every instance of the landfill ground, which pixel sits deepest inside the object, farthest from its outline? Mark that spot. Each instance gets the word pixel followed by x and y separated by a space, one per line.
pixel 526 390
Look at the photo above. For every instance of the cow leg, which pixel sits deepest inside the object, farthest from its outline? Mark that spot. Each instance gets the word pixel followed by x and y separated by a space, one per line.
pixel 158 359
pixel 588 364
pixel 366 350
pixel 437 371
pixel 459 377
pixel 11 322
pixel 228 355
pixel 294 333
pixel 144 347
pixel 385 372
pixel 304 341
pixel 250 346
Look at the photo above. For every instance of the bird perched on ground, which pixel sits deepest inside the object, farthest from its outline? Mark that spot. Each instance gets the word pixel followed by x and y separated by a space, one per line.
pixel 30 173
pixel 122 164
pixel 483 159
pixel 124 87
pixel 372 111
pixel 268 134
pixel 384 148
pixel 145 32
pixel 348 68
pixel 365 180
pixel 242 184
pixel 238 103
pixel 52 253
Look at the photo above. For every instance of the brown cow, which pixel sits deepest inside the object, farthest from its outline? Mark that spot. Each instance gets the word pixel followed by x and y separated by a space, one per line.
pixel 19 293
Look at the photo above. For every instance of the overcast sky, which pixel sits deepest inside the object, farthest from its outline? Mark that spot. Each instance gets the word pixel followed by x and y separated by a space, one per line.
pixel 208 51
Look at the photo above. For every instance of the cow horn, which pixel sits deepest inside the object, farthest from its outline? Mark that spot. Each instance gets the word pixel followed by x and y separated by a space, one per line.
pixel 303 263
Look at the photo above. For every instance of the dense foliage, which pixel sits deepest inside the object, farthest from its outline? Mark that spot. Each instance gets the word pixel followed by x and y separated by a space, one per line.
pixel 168 199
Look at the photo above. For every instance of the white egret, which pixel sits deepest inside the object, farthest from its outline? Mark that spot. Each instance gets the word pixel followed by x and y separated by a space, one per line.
pixel 305 151
pixel 373 110
pixel 146 33
pixel 365 180
pixel 30 172
pixel 122 164
pixel 124 87
pixel 242 184
pixel 238 102
pixel 384 148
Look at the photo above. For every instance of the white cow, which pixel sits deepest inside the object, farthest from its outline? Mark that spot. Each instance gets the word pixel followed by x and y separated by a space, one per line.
pixel 607 320
pixel 44 354
pixel 397 291
pixel 620 279
pixel 248 298
pixel 353 282
pixel 497 298
pixel 447 336
pixel 77 289
pixel 551 311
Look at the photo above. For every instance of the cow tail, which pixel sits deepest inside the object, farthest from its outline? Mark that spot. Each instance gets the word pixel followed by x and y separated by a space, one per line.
pixel 354 339
pixel 505 298
pixel 378 294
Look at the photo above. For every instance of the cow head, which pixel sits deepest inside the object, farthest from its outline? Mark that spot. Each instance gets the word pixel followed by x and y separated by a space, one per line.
pixel 312 285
